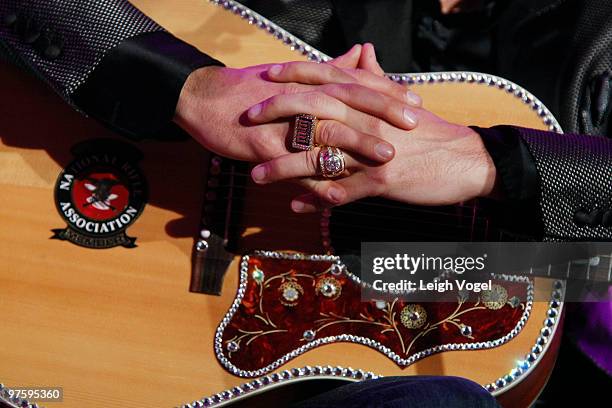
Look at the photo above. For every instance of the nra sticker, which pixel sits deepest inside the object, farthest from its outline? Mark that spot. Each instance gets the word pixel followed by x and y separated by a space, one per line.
pixel 100 194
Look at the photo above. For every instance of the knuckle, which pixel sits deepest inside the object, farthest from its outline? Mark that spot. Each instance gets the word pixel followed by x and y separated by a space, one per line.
pixel 395 108
pixel 274 170
pixel 352 90
pixel 260 143
pixel 378 181
pixel 323 195
pixel 271 104
pixel 380 99
pixel 318 99
pixel 256 146
pixel 366 77
pixel 334 73
pixel 292 88
pixel 289 69
pixel 331 89
pixel 288 66
pixel 327 131
pixel 397 89
pixel 319 189
pixel 341 92
pixel 311 161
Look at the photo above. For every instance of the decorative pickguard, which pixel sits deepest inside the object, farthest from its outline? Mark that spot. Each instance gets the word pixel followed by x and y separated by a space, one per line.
pixel 290 303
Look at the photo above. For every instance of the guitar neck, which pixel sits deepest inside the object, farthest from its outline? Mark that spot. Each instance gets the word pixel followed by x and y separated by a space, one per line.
pixel 596 269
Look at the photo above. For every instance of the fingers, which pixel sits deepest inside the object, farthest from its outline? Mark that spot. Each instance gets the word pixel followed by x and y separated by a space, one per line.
pixel 319 74
pixel 326 193
pixel 348 60
pixel 369 65
pixel 376 104
pixel 458 6
pixel 382 108
pixel 334 133
pixel 292 166
pixel 387 86
pixel 446 6
pixel 311 73
pixel 339 192
pixel 307 203
pixel 368 60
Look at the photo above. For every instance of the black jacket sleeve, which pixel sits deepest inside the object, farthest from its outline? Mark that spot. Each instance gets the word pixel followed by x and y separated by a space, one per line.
pixel 136 86
pixel 104 57
pixel 558 186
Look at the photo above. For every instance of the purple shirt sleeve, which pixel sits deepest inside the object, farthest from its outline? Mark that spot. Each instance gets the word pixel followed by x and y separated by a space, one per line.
pixel 589 323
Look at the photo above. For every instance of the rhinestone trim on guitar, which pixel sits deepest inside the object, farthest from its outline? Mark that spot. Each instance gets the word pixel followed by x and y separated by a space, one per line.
pixel 522 368
pixel 244 267
pixel 555 308
pixel 408 78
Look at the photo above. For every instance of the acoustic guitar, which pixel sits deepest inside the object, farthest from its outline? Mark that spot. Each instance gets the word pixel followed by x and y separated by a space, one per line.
pixel 156 274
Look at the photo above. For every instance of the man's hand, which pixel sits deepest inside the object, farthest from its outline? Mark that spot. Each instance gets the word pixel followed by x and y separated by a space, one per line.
pixel 437 163
pixel 214 100
pixel 459 6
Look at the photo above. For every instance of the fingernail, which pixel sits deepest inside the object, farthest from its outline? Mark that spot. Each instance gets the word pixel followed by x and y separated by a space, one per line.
pixel 259 173
pixel 297 206
pixel 384 150
pixel 275 69
pixel 413 98
pixel 334 194
pixel 410 117
pixel 254 111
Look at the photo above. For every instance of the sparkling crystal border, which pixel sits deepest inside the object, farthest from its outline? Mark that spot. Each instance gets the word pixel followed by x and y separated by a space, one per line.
pixel 276 31
pixel 500 385
pixel 411 79
pixel 478 78
pixel 417 79
pixel 532 359
pixel 220 352
pixel 269 381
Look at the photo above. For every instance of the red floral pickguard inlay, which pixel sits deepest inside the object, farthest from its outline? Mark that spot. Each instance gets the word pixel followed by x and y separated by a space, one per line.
pixel 264 329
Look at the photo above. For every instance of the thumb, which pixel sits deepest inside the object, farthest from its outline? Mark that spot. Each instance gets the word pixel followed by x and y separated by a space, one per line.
pixel 350 59
pixel 368 61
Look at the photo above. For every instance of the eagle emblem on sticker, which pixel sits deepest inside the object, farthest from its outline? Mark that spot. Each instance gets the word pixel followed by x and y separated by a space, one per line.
pixel 100 194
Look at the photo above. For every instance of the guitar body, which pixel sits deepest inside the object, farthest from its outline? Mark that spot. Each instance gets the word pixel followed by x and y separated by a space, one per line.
pixel 119 326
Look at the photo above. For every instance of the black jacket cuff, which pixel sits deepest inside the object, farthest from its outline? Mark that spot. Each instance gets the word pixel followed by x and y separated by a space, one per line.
pixel 520 212
pixel 136 86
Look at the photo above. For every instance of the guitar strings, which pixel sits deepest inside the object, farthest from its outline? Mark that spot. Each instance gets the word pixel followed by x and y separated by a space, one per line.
pixel 399 206
pixel 467 229
pixel 469 221
pixel 459 213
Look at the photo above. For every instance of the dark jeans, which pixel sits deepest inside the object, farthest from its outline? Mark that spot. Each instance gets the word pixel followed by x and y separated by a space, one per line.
pixel 405 392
